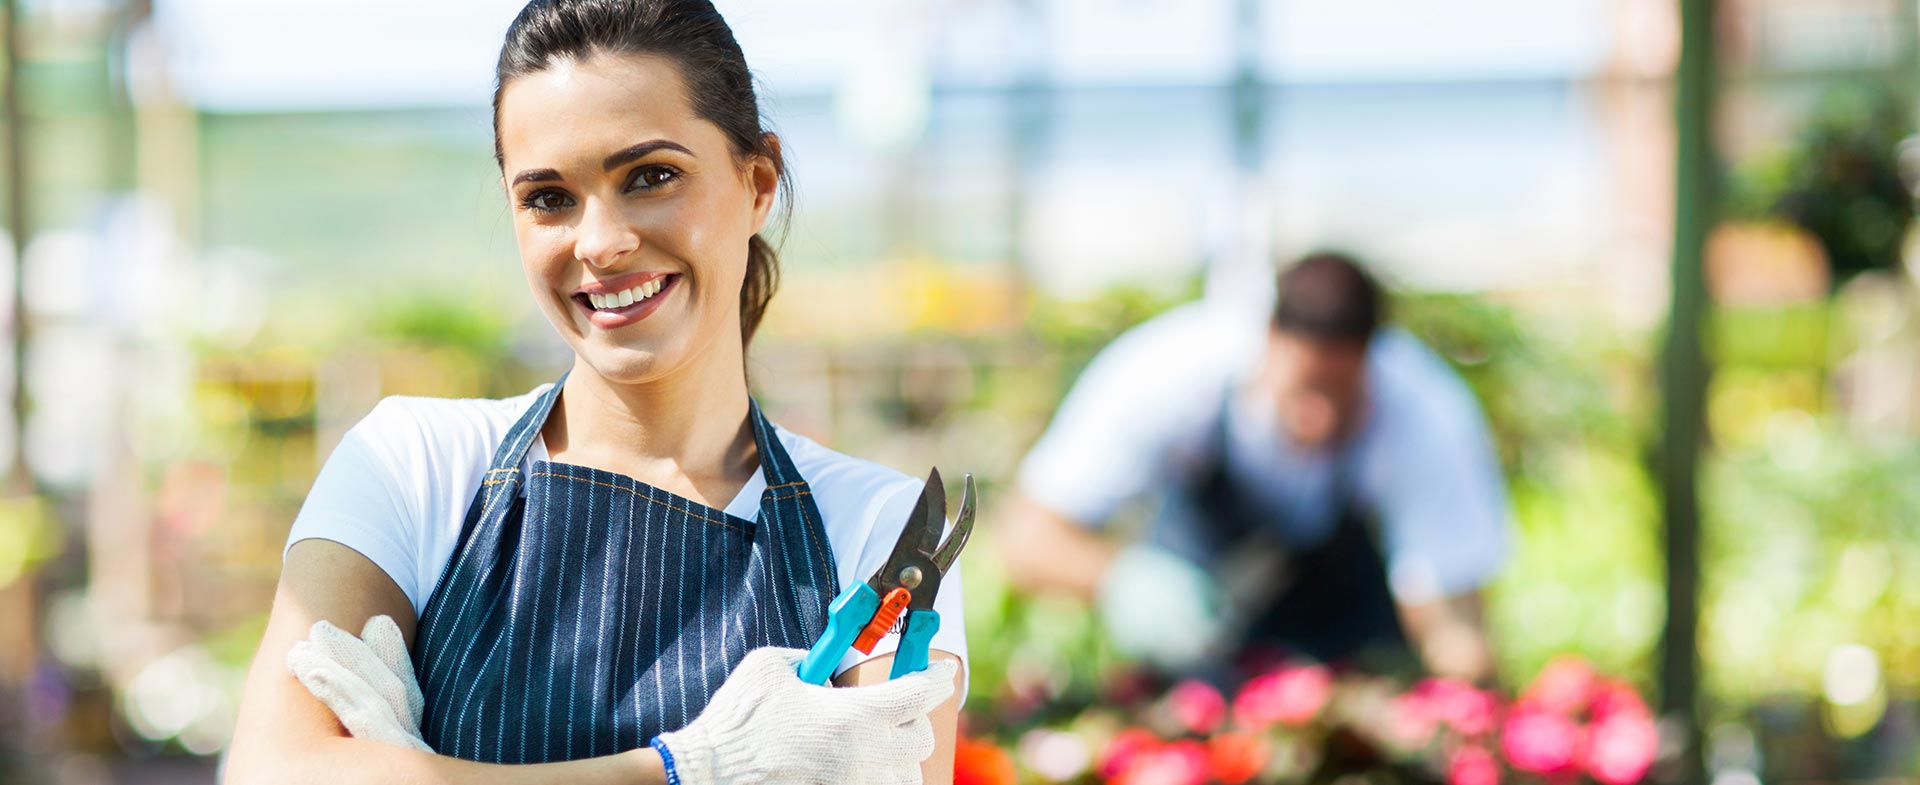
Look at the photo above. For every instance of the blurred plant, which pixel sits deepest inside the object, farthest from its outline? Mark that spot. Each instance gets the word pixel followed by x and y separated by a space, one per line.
pixel 29 535
pixel 1840 181
pixel 1303 723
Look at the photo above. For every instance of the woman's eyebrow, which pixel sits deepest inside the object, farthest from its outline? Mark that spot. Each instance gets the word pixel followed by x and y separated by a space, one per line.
pixel 639 151
pixel 612 162
pixel 535 175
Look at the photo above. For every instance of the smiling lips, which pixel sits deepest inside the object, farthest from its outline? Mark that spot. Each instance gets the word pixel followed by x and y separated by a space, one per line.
pixel 637 297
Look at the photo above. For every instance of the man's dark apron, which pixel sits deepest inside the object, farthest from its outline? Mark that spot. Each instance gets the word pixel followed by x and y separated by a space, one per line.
pixel 1335 602
pixel 584 612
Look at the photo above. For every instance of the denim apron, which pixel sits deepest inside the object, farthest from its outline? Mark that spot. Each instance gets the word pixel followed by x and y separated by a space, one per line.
pixel 584 612
pixel 1337 605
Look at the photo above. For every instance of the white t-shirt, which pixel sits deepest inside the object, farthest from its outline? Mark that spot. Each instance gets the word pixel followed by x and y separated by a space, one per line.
pixel 396 489
pixel 1143 417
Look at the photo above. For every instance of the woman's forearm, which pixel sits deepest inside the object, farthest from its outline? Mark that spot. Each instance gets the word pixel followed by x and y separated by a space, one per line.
pixel 350 761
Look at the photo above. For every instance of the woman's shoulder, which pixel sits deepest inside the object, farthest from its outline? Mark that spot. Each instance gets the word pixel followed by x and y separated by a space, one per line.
pixel 441 431
pixel 860 500
pixel 835 476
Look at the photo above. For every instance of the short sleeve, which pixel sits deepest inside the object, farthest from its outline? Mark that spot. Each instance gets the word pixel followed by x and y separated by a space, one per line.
pixel 1435 482
pixel 359 500
pixel 891 510
pixel 1117 433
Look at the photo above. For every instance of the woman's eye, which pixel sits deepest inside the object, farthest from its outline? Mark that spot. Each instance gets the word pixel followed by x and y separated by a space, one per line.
pixel 546 201
pixel 647 177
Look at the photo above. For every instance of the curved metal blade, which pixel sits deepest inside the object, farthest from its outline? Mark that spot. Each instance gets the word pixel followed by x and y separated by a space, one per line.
pixel 962 529
pixel 918 538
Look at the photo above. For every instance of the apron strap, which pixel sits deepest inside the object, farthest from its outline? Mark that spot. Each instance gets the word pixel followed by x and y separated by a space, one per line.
pixel 787 505
pixel 513 449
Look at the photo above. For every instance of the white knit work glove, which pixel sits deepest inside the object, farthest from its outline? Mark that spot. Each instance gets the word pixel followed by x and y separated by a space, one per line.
pixel 1160 607
pixel 765 725
pixel 367 681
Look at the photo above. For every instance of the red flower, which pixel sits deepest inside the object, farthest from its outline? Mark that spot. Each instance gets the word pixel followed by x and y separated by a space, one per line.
pixel 1540 741
pixel 1198 706
pixel 1182 762
pixel 982 763
pixel 1563 687
pixel 1473 765
pixel 1290 696
pixel 1236 757
pixel 1125 747
pixel 1621 748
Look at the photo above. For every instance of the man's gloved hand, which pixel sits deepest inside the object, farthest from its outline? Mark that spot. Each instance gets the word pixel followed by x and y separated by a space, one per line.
pixel 1161 608
pixel 766 725
pixel 367 681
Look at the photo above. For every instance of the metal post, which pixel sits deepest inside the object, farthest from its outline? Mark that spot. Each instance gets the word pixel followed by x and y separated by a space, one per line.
pixel 1684 375
pixel 19 481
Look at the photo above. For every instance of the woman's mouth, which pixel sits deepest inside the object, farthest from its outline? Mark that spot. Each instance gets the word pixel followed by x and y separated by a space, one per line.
pixel 624 307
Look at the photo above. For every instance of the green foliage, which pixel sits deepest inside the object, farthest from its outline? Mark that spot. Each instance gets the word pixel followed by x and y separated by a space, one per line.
pixel 1840 181
pixel 443 323
pixel 1568 404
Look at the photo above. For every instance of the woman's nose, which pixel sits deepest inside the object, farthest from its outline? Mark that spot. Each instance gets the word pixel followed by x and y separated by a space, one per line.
pixel 603 235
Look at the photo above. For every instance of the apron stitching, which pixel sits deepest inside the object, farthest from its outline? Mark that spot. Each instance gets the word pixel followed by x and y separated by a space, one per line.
pixel 825 560
pixel 641 495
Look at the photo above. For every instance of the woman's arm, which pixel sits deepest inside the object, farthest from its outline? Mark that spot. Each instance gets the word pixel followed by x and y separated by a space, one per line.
pixel 938 768
pixel 285 735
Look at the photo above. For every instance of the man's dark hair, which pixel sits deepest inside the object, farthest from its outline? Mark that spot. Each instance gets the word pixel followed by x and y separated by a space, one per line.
pixel 1326 295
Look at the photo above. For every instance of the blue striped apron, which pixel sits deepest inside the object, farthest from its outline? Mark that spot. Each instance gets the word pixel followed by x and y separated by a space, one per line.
pixel 584 612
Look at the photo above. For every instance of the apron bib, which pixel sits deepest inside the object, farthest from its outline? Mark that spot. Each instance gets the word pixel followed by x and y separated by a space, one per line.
pixel 584 612
pixel 1338 604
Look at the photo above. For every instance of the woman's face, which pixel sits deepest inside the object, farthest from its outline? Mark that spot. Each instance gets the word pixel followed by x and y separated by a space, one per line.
pixel 621 194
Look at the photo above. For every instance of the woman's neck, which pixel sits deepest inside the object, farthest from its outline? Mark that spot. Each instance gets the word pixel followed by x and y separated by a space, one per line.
pixel 687 435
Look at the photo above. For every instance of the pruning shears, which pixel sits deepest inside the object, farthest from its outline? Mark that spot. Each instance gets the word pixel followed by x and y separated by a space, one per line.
pixel 904 586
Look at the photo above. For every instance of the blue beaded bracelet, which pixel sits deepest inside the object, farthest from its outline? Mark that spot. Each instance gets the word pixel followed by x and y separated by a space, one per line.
pixel 666 760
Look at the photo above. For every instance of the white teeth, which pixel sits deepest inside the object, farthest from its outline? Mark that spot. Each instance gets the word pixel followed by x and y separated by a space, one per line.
pixel 628 297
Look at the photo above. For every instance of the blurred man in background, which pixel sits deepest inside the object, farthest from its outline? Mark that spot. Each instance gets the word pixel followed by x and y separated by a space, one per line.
pixel 1324 486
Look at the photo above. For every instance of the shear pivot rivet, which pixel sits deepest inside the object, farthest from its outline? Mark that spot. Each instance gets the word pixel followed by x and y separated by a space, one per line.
pixel 910 577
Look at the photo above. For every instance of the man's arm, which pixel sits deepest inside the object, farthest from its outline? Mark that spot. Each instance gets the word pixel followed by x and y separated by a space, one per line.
pixel 1045 551
pixel 1450 636
pixel 285 735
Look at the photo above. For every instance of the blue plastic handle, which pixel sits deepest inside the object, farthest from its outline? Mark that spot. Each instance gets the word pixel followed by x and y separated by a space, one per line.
pixel 915 637
pixel 845 617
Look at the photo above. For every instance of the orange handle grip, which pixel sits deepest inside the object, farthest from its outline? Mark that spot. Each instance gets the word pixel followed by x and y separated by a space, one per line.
pixel 891 606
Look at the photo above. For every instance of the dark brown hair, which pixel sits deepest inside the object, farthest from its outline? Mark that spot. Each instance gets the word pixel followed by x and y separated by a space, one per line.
pixel 691 34
pixel 1328 296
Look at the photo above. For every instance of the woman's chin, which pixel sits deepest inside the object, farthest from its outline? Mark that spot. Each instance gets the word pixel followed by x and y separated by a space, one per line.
pixel 629 364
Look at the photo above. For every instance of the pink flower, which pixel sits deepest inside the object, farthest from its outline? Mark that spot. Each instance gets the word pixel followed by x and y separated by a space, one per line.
pixel 1182 762
pixel 1473 765
pixel 1615 698
pixel 1290 696
pixel 1410 721
pixel 1125 748
pixel 1563 687
pixel 1621 748
pixel 1198 706
pixel 1540 741
pixel 1470 711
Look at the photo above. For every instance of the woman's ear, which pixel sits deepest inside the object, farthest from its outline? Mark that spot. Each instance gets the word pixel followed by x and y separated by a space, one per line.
pixel 763 176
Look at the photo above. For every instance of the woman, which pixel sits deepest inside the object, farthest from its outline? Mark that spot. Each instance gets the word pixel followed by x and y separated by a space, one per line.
pixel 579 570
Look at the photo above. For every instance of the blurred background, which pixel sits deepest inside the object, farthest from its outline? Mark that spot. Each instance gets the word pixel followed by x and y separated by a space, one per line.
pixel 234 226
